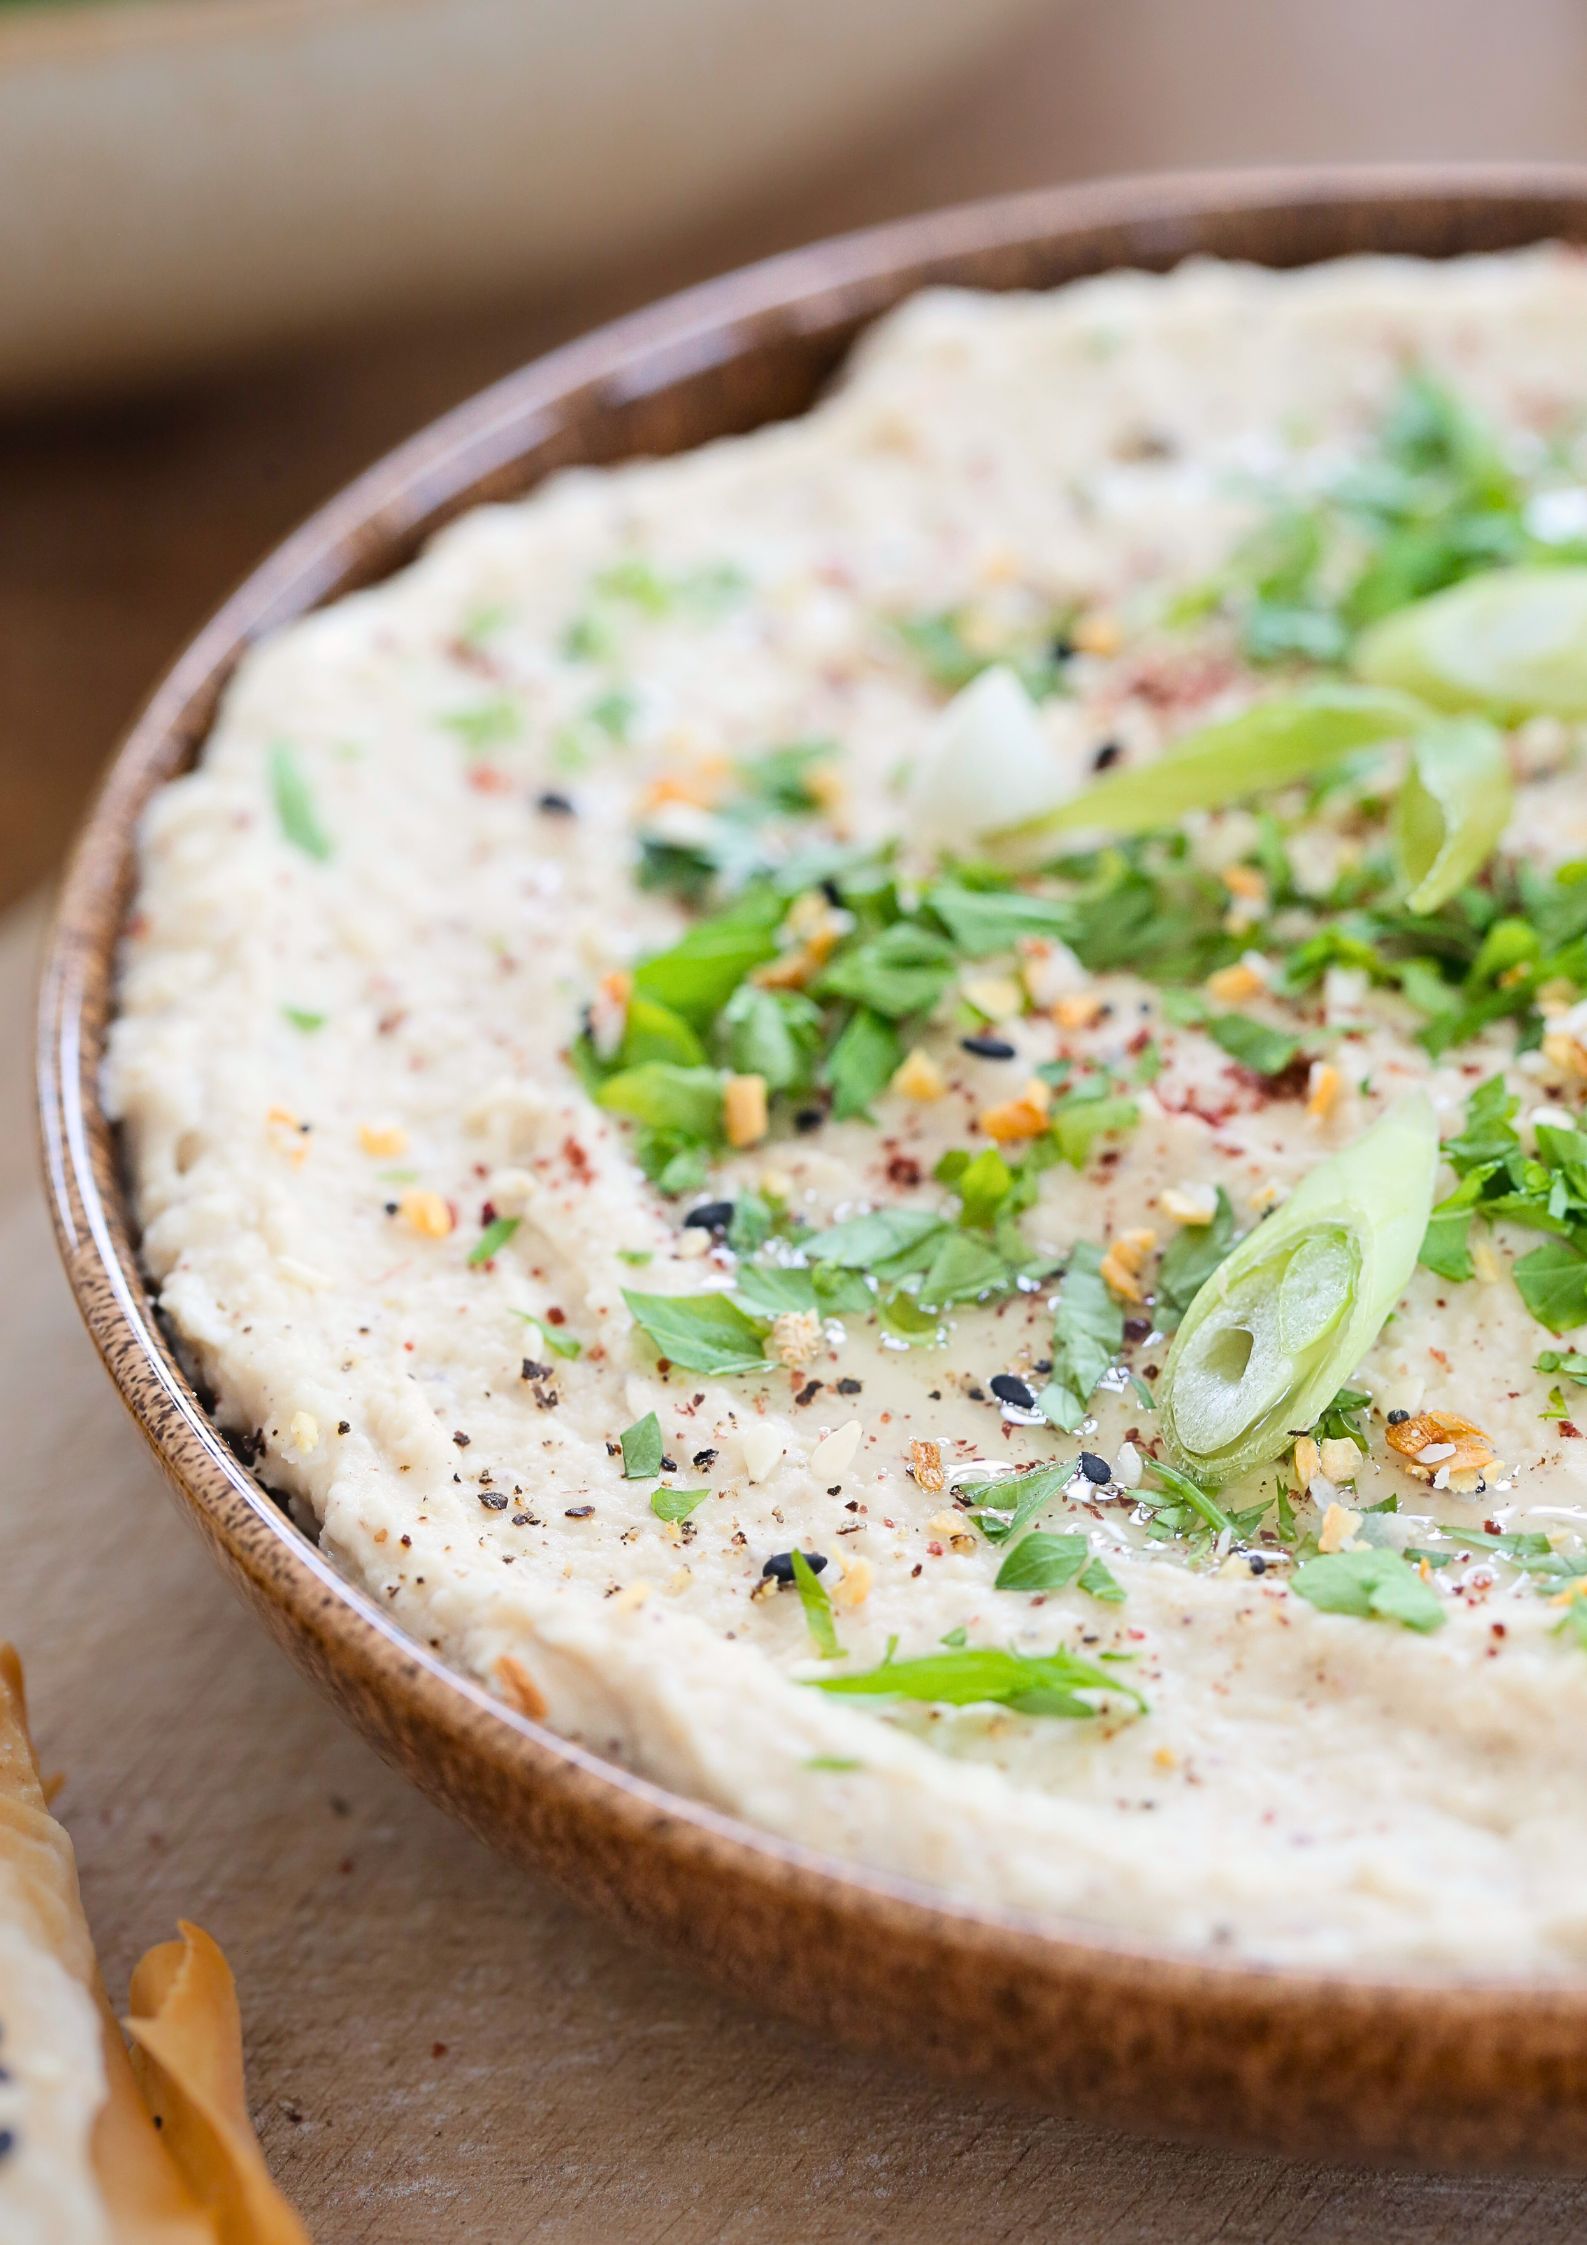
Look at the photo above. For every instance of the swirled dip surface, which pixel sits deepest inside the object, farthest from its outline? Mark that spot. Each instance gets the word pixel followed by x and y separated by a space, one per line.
pixel 380 979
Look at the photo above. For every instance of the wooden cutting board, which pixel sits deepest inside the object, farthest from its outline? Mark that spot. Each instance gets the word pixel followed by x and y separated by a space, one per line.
pixel 442 2051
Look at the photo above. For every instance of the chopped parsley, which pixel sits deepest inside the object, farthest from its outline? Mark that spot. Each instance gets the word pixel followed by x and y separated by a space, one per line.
pixel 1372 1584
pixel 1052 1683
pixel 700 1332
pixel 676 1504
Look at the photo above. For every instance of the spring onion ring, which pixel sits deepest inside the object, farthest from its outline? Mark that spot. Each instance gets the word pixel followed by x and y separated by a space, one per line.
pixel 1286 1318
pixel 1451 810
pixel 1510 643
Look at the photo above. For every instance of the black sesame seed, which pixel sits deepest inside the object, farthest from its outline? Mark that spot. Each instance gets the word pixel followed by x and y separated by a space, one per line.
pixel 554 805
pixel 988 1047
pixel 850 1386
pixel 668 1465
pixel 1105 754
pixel 1061 647
pixel 391 1208
pixel 703 1460
pixel 1094 1468
pixel 809 1392
pixel 491 1501
pixel 710 1216
pixel 578 1512
pixel 976 1395
pixel 8 2142
pixel 779 1567
pixel 1258 1564
pixel 1398 1418
pixel 807 1119
pixel 832 893
pixel 1009 1389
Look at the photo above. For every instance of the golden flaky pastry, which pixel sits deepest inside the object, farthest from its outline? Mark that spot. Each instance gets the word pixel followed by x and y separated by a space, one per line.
pixel 82 2161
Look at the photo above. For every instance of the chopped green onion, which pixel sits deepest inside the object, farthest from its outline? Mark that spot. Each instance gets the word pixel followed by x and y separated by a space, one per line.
pixel 817 1606
pixel 294 805
pixel 1286 1317
pixel 493 1239
pixel 1270 745
pixel 1032 1684
pixel 1510 643
pixel 1452 808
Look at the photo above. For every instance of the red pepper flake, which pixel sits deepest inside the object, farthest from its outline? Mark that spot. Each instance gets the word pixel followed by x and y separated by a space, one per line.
pixel 1570 1430
pixel 575 1157
pixel 556 1317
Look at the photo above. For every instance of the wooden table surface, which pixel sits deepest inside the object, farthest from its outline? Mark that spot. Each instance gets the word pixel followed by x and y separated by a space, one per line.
pixel 441 2050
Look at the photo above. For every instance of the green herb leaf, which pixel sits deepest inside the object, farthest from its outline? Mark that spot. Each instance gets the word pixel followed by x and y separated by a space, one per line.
pixel 1043 1562
pixel 675 1504
pixel 307 1022
pixel 491 725
pixel 1088 1332
pixel 878 1241
pixel 983 922
pixel 861 1064
pixel 1032 1684
pixel 817 1606
pixel 700 972
pixel 1553 1284
pixel 1373 1584
pixel 294 805
pixel 1018 1499
pixel 1265 1051
pixel 903 970
pixel 641 1447
pixel 493 1238
pixel 700 1332
pixel 1086 1114
pixel 684 1101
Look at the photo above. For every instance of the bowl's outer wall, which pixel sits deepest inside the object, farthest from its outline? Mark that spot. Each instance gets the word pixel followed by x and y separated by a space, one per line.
pixel 1488 2075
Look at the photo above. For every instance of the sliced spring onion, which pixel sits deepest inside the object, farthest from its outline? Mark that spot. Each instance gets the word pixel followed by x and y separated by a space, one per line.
pixel 1452 808
pixel 988 761
pixel 1270 745
pixel 1512 643
pixel 1286 1317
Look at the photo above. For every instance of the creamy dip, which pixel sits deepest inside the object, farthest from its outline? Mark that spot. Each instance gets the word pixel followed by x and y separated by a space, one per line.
pixel 382 964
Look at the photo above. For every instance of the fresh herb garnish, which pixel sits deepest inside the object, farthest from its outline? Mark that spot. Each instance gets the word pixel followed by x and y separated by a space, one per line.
pixel 493 1239
pixel 817 1608
pixel 1088 1332
pixel 1373 1584
pixel 1048 1562
pixel 676 1504
pixel 642 1449
pixel 294 804
pixel 1030 1683
pixel 700 1332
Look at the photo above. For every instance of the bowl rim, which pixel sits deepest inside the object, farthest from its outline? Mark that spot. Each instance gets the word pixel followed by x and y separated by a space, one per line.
pixel 371 527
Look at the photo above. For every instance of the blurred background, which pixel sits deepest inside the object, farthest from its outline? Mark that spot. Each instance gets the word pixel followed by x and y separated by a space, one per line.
pixel 249 244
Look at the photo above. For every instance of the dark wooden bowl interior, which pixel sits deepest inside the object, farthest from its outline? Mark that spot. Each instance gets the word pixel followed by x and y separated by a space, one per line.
pixel 1489 2073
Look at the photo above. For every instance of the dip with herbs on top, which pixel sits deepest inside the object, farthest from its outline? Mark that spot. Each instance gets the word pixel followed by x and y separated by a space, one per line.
pixel 890 1117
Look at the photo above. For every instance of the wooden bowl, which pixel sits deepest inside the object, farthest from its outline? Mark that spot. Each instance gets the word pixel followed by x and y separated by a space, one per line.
pixel 1487 2072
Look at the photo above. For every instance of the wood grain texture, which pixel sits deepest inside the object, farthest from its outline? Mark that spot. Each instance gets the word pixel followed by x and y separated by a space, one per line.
pixel 584 2093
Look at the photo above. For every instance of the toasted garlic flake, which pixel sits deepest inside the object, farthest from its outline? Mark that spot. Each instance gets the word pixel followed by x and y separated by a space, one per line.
pixel 1436 1439
pixel 1341 1460
pixel 1024 1117
pixel 1308 1461
pixel 762 1447
pixel 1247 978
pixel 925 1463
pixel 853 1586
pixel 305 1431
pixel 425 1213
pixel 1124 1261
pixel 1338 1527
pixel 1189 1204
pixel 382 1141
pixel 1323 1086
pixel 744 1111
pixel 1098 634
pixel 919 1077
pixel 1079 1011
